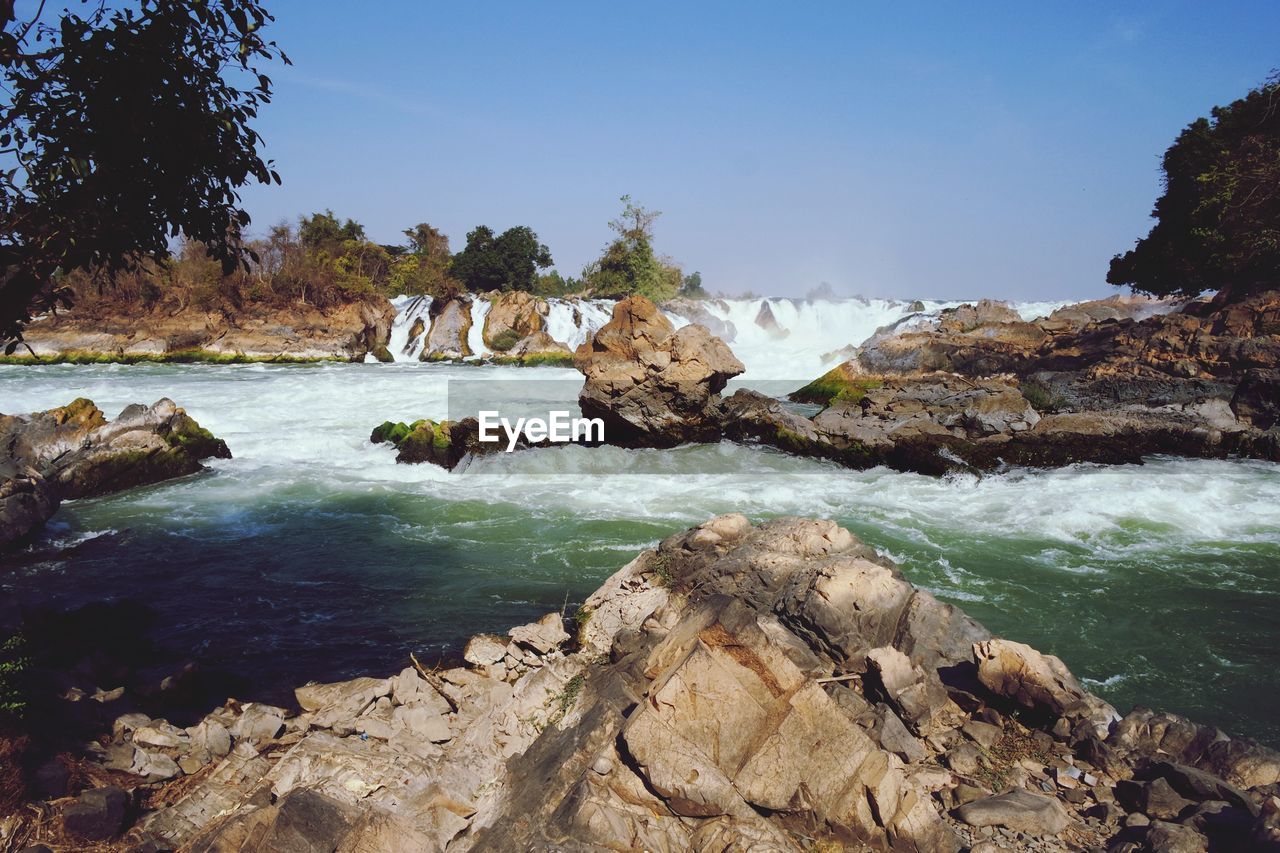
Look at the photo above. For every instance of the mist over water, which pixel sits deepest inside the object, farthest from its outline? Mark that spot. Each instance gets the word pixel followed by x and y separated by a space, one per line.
pixel 313 555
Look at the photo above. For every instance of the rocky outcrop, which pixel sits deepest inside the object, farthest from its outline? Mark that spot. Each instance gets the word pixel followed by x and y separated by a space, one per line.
pixel 739 687
pixel 258 332
pixel 941 422
pixel 651 384
pixel 450 326
pixel 513 317
pixel 75 452
pixel 538 349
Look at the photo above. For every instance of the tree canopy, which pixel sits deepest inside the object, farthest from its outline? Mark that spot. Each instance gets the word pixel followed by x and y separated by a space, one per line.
pixel 1218 221
pixel 121 127
pixel 629 264
pixel 508 261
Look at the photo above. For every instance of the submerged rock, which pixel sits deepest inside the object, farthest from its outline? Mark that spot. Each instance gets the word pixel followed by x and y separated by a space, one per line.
pixel 74 452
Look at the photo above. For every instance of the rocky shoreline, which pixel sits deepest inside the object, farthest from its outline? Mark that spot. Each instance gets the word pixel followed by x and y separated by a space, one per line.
pixel 771 687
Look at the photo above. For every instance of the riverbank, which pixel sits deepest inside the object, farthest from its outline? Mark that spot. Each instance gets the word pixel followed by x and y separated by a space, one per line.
pixel 683 661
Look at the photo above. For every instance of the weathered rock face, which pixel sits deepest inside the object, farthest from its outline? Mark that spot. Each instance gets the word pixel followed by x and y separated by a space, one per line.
pixel 450 325
pixel 772 687
pixel 653 385
pixel 344 332
pixel 75 452
pixel 513 316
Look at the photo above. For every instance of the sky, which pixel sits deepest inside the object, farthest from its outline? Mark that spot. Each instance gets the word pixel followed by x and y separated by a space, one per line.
pixel 907 150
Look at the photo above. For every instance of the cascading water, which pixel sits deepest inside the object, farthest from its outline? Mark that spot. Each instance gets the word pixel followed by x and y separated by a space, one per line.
pixel 409 309
pixel 475 336
pixel 775 338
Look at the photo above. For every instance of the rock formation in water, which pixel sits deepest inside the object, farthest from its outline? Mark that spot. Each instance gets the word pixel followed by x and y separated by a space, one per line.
pixel 75 452
pixel 654 386
pixel 450 327
pixel 775 687
pixel 344 332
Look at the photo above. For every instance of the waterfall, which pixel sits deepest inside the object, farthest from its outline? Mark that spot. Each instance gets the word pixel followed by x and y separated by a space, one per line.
pixel 776 338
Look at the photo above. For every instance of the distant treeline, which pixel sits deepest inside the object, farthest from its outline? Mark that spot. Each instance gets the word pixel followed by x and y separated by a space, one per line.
pixel 324 260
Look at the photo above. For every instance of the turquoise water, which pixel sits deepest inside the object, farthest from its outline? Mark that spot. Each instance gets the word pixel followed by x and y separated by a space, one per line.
pixel 311 554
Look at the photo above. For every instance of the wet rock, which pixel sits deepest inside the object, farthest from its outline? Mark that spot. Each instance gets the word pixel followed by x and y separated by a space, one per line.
pixel 1018 810
pixel 450 325
pixel 651 384
pixel 96 815
pixel 74 452
pixel 513 316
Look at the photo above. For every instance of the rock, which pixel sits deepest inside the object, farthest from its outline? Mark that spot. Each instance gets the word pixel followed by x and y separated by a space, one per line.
pixel 450 325
pixel 538 348
pixel 1163 837
pixel 154 766
pixel 212 737
pixel 254 330
pixel 341 699
pixel 258 723
pixel 542 636
pixel 74 452
pixel 650 384
pixel 1018 672
pixel 160 734
pixel 1257 398
pixel 1019 810
pixel 893 737
pixel 513 316
pixel 983 734
pixel 97 815
pixel 424 723
pixel 484 650
pixel 1155 799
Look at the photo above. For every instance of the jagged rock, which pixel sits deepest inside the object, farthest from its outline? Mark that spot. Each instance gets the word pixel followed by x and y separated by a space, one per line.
pixel 97 815
pixel 484 650
pixel 541 636
pixel 258 723
pixel 1155 799
pixel 450 325
pixel 513 317
pixel 650 384
pixel 1034 680
pixel 1257 398
pixel 74 452
pixel 1019 810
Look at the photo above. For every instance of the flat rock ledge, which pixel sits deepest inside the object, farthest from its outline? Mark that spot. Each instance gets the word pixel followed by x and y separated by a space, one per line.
pixel 73 451
pixel 778 687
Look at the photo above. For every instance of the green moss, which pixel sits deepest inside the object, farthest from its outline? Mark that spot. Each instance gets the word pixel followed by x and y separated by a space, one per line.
pixel 382 354
pixel 1041 397
pixel 391 432
pixel 13 677
pixel 504 340
pixel 537 359
pixel 562 703
pixel 195 356
pixel 836 384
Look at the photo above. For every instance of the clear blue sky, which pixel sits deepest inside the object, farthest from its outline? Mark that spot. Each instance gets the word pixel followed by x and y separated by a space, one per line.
pixel 890 151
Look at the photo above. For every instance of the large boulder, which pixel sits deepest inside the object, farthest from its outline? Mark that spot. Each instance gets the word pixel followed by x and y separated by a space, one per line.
pixel 513 316
pixel 450 326
pixel 73 451
pixel 651 384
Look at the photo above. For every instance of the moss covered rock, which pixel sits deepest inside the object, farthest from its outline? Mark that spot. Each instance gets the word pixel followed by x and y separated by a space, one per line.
pixel 842 382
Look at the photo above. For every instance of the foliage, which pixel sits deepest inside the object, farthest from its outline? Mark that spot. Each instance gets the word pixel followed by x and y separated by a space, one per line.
pixel 1218 222
pixel 551 283
pixel 423 268
pixel 629 264
pixel 508 261
pixel 323 232
pixel 691 287
pixel 13 676
pixel 125 125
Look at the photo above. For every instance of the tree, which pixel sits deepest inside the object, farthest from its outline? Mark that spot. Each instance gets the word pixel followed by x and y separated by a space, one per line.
pixel 121 128
pixel 629 264
pixel 1218 222
pixel 509 261
pixel 423 267
pixel 691 287
pixel 323 232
